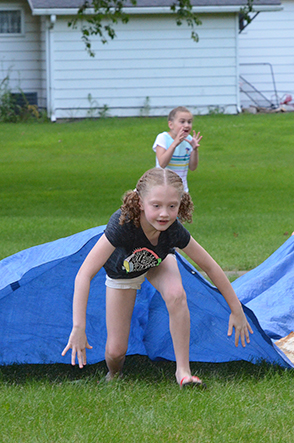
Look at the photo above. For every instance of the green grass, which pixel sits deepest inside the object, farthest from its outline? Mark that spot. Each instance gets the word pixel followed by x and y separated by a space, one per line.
pixel 243 403
pixel 59 179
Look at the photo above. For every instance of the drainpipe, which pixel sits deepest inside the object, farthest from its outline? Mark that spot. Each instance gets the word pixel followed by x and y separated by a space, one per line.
pixel 239 109
pixel 50 69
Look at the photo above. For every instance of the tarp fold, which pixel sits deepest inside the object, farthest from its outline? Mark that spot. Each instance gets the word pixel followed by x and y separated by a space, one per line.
pixel 36 290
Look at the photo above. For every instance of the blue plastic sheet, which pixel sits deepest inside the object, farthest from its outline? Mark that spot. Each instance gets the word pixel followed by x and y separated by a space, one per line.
pixel 269 291
pixel 36 289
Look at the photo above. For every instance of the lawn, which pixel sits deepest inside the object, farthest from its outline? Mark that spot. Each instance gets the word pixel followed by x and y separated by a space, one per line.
pixel 58 179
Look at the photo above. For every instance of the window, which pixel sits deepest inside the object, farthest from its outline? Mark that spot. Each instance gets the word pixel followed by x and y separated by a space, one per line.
pixel 10 21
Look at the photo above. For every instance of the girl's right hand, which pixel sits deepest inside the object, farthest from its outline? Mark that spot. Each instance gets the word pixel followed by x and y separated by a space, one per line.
pixel 239 322
pixel 181 136
pixel 78 343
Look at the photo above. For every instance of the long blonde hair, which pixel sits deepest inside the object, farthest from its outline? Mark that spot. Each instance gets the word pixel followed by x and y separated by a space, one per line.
pixel 130 209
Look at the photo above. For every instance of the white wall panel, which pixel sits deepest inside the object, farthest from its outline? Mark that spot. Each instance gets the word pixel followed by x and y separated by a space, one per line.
pixel 151 57
pixel 20 55
pixel 268 42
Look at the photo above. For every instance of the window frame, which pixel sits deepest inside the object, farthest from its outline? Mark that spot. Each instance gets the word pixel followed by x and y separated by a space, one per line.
pixel 8 8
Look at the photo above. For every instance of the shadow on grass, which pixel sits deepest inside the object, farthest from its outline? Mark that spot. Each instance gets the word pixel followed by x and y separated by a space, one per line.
pixel 137 367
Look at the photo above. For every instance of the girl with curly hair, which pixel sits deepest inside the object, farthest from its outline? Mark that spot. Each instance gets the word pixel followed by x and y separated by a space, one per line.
pixel 138 243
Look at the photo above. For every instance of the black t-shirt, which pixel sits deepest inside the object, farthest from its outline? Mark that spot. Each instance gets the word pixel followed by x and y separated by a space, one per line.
pixel 134 254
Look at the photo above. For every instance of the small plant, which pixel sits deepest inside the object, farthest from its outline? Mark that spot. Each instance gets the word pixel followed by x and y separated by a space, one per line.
pixel 10 110
pixel 8 105
pixel 27 111
pixel 145 110
pixel 96 111
pixel 215 110
pixel 93 107
pixel 103 112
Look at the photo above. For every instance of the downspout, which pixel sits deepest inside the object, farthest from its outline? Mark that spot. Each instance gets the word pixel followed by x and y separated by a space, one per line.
pixel 239 110
pixel 50 69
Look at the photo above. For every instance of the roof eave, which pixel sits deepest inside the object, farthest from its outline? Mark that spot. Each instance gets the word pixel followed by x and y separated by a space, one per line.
pixel 159 10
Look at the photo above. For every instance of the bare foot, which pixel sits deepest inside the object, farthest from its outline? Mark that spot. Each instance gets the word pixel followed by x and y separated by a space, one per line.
pixel 110 377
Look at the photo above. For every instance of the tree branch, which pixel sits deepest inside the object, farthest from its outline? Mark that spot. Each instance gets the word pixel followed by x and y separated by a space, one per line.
pixel 108 13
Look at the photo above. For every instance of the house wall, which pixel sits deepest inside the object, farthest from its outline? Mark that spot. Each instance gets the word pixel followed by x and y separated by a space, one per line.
pixel 20 55
pixel 268 42
pixel 152 66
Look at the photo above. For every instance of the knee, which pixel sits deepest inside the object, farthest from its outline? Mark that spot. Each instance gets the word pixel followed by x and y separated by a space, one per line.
pixel 115 352
pixel 176 299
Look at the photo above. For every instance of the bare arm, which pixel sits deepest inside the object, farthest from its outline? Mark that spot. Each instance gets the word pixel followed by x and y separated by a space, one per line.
pixel 194 157
pixel 91 265
pixel 215 273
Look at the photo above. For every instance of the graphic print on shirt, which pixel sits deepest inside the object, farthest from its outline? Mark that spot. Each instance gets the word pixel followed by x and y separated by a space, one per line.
pixel 141 259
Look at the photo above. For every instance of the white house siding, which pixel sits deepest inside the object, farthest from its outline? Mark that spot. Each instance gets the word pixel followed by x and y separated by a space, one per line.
pixel 152 61
pixel 20 55
pixel 269 39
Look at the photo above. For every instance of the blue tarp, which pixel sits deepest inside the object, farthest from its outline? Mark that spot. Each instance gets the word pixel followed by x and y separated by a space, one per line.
pixel 269 291
pixel 36 289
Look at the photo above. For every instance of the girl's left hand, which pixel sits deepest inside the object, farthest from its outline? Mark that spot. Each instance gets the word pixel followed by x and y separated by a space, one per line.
pixel 242 327
pixel 195 142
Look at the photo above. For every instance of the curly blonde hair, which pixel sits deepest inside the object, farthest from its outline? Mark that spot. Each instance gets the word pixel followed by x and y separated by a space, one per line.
pixel 130 209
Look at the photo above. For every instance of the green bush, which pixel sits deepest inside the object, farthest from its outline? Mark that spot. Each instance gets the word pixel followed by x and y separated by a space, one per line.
pixel 11 111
